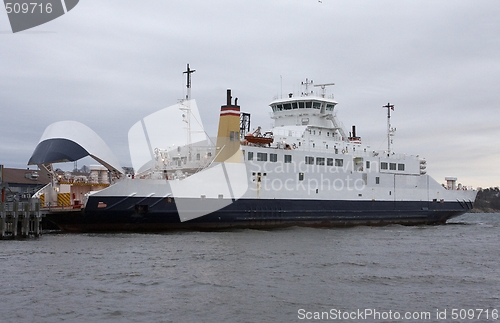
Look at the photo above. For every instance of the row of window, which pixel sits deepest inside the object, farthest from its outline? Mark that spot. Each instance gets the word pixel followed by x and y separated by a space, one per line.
pixel 309 160
pixel 301 105
pixel 258 177
pixel 272 157
pixel 313 132
pixel 321 161
pixel 392 166
pixel 301 178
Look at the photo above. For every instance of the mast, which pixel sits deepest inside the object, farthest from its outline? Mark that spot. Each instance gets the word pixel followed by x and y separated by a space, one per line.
pixel 188 84
pixel 306 83
pixel 390 131
pixel 187 108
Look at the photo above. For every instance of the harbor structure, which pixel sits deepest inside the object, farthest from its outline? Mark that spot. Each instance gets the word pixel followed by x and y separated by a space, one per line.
pixel 20 219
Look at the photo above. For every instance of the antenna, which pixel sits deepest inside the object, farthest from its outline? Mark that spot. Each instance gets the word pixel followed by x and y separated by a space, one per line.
pixel 306 83
pixel 281 86
pixel 323 88
pixel 390 131
pixel 188 85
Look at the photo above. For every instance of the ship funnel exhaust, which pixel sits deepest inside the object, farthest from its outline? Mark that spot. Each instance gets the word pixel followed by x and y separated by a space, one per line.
pixel 353 137
pixel 228 97
pixel 228 136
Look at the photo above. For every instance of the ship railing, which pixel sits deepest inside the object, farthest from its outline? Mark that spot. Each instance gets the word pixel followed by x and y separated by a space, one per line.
pixel 184 157
pixel 383 154
pixel 459 188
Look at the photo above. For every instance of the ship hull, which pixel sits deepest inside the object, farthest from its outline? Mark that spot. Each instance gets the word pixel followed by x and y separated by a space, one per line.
pixel 157 215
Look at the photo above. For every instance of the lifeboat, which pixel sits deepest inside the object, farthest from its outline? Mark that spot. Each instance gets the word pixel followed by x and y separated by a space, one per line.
pixel 258 138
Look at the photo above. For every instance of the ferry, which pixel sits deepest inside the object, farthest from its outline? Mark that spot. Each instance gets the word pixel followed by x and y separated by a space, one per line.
pixel 305 171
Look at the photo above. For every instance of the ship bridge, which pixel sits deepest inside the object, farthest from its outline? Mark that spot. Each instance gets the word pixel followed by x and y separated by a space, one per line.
pixel 298 114
pixel 304 110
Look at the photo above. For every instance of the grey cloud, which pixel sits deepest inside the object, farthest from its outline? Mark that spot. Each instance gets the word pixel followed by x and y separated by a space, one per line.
pixel 109 63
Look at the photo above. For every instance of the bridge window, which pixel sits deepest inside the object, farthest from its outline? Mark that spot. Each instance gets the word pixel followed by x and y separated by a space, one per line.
pixel 288 159
pixel 273 157
pixel 329 107
pixel 287 106
pixel 308 105
pixel 392 166
pixel 320 161
pixel 250 155
pixel 401 167
pixel 329 162
pixel 261 157
pixel 383 165
pixel 302 105
pixel 339 162
pixel 309 160
pixel 294 105
pixel 316 105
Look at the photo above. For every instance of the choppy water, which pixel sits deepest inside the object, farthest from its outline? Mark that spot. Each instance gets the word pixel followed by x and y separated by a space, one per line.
pixel 256 276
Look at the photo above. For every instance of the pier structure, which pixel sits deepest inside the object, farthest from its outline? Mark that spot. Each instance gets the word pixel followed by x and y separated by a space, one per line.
pixel 20 219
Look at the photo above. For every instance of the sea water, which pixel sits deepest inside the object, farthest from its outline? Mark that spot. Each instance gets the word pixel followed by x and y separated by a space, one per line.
pixel 444 273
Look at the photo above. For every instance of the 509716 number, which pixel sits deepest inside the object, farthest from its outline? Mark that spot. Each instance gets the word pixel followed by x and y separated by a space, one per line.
pixel 474 314
pixel 31 7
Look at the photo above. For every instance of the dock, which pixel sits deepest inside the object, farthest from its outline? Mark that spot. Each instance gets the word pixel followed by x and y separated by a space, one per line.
pixel 20 219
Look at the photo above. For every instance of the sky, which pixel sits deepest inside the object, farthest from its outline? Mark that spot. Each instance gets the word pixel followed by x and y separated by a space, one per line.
pixel 109 63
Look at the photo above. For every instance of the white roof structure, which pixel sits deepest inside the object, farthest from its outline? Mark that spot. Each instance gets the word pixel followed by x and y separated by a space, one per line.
pixel 67 141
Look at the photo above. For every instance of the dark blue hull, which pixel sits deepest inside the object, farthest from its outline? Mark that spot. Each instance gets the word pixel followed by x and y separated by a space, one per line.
pixel 160 214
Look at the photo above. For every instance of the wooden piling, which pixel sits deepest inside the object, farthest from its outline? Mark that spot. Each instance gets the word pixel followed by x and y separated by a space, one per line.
pixel 2 220
pixel 20 219
pixel 15 218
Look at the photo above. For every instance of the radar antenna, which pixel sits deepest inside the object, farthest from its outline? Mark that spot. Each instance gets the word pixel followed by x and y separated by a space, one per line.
pixel 323 88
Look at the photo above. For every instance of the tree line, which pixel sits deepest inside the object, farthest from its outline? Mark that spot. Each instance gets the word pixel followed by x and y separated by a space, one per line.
pixel 488 199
